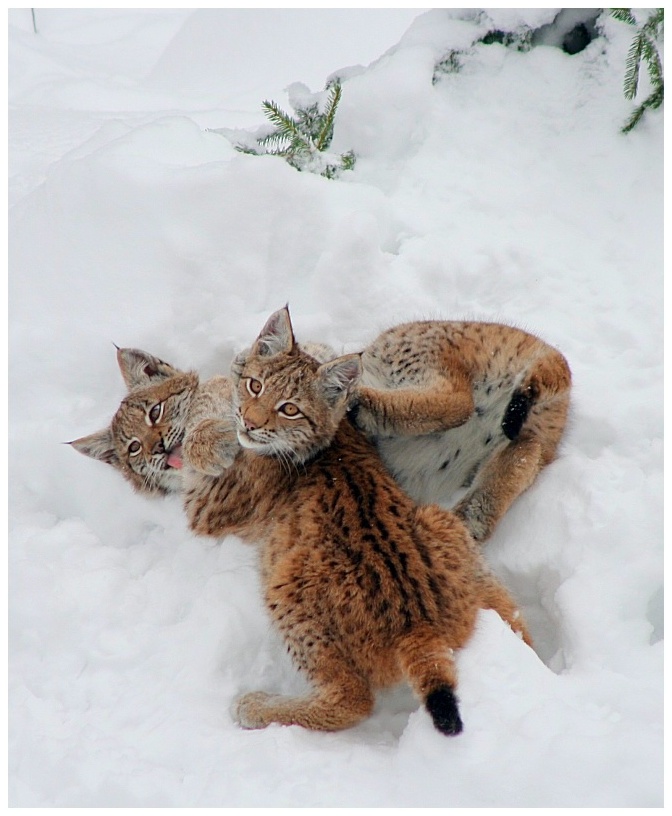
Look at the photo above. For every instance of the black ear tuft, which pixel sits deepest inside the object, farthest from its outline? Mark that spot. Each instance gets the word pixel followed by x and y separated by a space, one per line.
pixel 140 369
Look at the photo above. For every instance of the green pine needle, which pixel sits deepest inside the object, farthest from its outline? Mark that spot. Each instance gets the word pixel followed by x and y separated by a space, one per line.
pixel 624 15
pixel 327 132
pixel 643 47
pixel 300 139
pixel 631 79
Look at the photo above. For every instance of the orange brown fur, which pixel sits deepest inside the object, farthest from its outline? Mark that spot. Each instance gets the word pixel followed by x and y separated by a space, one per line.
pixel 366 587
pixel 468 406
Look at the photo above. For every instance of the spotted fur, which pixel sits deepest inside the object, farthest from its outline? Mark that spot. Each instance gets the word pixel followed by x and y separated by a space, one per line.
pixel 464 413
pixel 366 587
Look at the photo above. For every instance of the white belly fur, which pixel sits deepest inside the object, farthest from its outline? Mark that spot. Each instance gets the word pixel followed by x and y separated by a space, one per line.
pixel 439 467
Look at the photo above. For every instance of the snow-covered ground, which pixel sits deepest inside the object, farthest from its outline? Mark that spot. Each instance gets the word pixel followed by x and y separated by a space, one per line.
pixel 502 192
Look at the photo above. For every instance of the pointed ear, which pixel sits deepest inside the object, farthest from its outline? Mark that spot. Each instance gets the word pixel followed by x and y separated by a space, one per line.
pixel 238 364
pixel 277 336
pixel 139 369
pixel 338 377
pixel 98 446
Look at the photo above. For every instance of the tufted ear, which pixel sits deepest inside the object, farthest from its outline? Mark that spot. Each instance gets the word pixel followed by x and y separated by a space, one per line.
pixel 337 378
pixel 98 445
pixel 277 336
pixel 139 369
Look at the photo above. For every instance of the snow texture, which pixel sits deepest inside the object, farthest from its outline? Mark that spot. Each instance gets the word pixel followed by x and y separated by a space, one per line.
pixel 502 192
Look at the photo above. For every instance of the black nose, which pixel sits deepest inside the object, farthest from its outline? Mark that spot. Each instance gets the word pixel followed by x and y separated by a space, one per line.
pixel 159 447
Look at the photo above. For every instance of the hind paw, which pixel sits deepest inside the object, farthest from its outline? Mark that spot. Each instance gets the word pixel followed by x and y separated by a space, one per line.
pixel 251 710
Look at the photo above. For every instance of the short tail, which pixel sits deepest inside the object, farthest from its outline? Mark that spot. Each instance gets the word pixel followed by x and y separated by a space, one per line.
pixel 428 663
pixel 442 707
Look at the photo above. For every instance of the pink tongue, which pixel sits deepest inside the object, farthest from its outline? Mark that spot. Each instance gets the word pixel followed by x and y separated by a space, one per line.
pixel 175 457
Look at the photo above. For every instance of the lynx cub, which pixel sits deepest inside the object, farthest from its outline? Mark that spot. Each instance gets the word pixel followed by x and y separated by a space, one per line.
pixel 144 440
pixel 455 406
pixel 366 587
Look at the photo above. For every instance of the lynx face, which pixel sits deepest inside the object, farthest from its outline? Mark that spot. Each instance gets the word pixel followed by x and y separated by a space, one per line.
pixel 145 436
pixel 287 404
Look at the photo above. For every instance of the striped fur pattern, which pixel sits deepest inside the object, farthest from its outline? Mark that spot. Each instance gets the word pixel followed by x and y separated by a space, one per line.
pixel 366 587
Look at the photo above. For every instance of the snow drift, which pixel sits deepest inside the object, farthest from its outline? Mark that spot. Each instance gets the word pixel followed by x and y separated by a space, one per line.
pixel 503 191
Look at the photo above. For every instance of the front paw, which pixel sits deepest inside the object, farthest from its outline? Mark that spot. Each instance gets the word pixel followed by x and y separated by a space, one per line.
pixel 361 415
pixel 250 710
pixel 211 447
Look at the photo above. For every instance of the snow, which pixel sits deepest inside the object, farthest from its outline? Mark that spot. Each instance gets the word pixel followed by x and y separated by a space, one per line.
pixel 502 192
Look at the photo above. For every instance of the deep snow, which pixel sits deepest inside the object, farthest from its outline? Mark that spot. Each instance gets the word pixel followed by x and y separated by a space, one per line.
pixel 504 192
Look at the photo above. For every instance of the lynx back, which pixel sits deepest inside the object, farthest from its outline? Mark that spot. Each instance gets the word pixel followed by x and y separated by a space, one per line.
pixel 366 588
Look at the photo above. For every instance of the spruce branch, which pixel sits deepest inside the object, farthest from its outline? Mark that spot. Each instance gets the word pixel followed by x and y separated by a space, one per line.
pixel 625 15
pixel 651 102
pixel 302 140
pixel 287 127
pixel 326 134
pixel 653 63
pixel 634 58
pixel 653 27
pixel 643 47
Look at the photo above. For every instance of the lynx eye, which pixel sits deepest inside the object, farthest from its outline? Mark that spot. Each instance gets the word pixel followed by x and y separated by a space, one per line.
pixel 134 447
pixel 155 413
pixel 289 410
pixel 255 387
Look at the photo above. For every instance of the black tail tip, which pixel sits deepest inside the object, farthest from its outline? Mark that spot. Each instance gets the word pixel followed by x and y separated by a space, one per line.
pixel 442 707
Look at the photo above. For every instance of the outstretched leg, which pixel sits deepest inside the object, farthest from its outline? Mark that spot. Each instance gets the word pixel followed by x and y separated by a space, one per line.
pixel 415 409
pixel 499 482
pixel 534 423
pixel 495 596
pixel 341 699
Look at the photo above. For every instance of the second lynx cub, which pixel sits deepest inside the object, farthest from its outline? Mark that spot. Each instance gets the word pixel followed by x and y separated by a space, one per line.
pixel 464 406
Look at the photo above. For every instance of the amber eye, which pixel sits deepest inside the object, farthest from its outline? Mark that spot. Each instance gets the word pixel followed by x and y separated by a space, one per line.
pixel 155 413
pixel 255 387
pixel 289 410
pixel 134 447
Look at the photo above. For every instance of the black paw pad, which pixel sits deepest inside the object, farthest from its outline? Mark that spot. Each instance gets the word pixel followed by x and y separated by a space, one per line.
pixel 442 707
pixel 516 413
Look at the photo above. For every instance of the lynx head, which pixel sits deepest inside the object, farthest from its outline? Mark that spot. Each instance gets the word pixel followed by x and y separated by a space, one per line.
pixel 144 439
pixel 287 404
